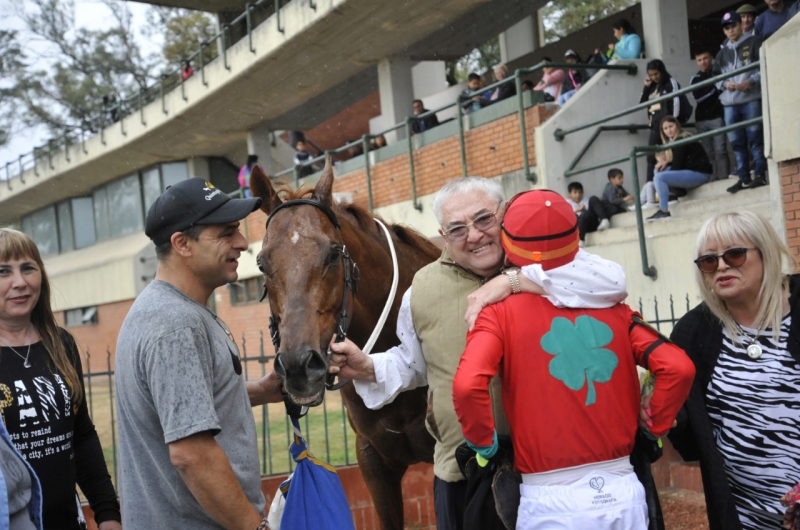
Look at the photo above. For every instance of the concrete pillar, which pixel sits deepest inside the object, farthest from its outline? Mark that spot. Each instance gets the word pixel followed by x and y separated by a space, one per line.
pixel 197 166
pixel 666 31
pixel 428 78
pixel 396 88
pixel 520 39
pixel 259 142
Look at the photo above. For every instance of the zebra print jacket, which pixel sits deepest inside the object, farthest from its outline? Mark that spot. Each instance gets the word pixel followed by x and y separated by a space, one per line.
pixel 699 333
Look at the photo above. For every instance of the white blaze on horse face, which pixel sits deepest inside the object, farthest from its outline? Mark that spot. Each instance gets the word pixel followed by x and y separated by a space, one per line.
pixel 295 238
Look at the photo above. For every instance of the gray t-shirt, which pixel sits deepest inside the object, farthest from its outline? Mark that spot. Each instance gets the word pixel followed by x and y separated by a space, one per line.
pixel 176 376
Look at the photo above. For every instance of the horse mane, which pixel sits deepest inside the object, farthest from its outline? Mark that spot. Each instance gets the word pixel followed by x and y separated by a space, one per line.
pixel 364 219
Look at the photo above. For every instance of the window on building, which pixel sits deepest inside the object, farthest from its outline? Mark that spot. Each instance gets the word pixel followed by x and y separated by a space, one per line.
pixel 173 172
pixel 84 316
pixel 66 240
pixel 151 187
pixel 247 291
pixel 42 227
pixel 125 206
pixel 101 227
pixel 83 222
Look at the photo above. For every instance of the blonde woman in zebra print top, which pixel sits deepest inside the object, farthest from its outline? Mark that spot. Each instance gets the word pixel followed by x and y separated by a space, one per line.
pixel 742 419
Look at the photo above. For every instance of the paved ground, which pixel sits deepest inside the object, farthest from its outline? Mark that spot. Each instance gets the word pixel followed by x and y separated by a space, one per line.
pixel 683 509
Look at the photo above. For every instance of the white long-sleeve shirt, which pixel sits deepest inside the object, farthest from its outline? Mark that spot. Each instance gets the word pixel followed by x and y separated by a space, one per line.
pixel 587 281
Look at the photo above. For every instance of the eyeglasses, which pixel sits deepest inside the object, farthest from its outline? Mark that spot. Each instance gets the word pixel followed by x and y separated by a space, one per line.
pixel 733 257
pixel 483 222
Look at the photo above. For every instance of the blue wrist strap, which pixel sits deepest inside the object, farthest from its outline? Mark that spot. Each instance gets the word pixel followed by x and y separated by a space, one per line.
pixel 486 451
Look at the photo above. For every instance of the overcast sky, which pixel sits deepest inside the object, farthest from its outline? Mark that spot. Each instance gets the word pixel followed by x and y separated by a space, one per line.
pixel 88 13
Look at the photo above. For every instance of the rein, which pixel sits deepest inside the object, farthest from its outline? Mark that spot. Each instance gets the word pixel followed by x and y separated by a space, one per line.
pixel 351 277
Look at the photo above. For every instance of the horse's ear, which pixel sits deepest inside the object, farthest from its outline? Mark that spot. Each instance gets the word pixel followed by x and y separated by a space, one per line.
pixel 323 191
pixel 261 187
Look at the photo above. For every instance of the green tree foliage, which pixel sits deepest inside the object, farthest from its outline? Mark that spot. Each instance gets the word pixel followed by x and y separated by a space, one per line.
pixel 479 60
pixel 562 17
pixel 64 85
pixel 83 66
pixel 183 31
pixel 10 64
pixel 580 354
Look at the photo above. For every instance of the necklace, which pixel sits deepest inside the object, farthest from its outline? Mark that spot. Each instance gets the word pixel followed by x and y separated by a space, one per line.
pixel 754 349
pixel 27 363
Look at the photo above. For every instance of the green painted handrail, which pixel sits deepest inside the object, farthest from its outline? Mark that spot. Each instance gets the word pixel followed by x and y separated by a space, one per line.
pixel 560 134
pixel 638 151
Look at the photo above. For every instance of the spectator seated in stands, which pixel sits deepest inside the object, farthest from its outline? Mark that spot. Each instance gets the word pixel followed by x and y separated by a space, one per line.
pixel 552 80
pixel 615 200
pixel 772 19
pixel 629 43
pixel 659 83
pixel 302 159
pixel 422 124
pixel 471 104
pixel 503 91
pixel 377 142
pixel 575 198
pixel 573 78
pixel 709 116
pixel 685 166
pixel 186 70
pixel 748 14
pixel 741 100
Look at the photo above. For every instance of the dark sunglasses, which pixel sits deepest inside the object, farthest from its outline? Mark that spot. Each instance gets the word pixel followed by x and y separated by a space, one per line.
pixel 733 257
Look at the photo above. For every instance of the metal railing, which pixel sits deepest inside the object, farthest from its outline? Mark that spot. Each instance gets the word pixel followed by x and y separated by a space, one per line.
pixel 642 150
pixel 124 108
pixel 406 125
pixel 325 427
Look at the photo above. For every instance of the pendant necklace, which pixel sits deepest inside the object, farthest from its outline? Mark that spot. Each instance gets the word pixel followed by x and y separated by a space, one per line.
pixel 754 349
pixel 27 363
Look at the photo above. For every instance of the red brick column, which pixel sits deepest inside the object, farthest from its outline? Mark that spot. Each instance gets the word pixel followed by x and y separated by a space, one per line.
pixel 790 189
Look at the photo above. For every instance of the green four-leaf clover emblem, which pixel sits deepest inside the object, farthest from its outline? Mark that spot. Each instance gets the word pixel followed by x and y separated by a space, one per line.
pixel 580 353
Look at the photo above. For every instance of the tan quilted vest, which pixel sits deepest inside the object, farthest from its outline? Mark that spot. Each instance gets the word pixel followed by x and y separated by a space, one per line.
pixel 438 303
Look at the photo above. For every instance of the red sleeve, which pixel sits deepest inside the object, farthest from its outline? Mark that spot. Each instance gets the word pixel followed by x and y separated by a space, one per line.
pixel 673 372
pixel 479 364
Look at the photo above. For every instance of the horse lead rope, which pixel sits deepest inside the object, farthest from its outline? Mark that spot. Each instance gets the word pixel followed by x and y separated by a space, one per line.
pixel 392 292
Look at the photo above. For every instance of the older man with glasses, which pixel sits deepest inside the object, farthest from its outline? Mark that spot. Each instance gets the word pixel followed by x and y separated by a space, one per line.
pixel 432 326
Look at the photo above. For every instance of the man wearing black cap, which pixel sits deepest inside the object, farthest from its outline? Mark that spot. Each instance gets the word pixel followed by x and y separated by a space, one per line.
pixel 188 453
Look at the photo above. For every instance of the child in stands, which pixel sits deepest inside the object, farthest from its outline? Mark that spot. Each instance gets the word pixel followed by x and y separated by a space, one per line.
pixel 615 200
pixel 575 198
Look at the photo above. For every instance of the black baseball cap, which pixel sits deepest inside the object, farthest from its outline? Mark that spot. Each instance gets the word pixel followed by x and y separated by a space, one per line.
pixel 731 17
pixel 194 201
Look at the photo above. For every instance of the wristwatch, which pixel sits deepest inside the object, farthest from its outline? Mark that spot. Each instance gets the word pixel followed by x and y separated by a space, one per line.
pixel 513 279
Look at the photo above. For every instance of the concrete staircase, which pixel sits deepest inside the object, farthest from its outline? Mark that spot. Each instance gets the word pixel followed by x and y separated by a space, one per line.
pixel 671 243
pixel 688 215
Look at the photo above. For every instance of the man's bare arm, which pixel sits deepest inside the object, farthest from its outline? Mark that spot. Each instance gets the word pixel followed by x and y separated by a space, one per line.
pixel 206 471
pixel 268 389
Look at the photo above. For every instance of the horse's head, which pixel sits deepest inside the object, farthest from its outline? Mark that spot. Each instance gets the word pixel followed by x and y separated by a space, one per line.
pixel 305 275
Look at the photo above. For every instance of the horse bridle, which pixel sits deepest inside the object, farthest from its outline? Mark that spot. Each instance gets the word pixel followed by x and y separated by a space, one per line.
pixel 351 276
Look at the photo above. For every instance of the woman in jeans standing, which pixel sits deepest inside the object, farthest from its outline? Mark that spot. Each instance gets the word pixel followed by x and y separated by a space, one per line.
pixel 686 166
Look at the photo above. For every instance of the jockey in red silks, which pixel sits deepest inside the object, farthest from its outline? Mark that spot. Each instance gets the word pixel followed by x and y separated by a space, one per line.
pixel 569 384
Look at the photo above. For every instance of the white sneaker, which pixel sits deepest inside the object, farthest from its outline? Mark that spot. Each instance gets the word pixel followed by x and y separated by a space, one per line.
pixel 604 225
pixel 648 205
pixel 581 244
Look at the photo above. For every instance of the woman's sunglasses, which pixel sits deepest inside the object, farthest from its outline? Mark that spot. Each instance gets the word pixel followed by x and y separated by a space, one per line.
pixel 733 257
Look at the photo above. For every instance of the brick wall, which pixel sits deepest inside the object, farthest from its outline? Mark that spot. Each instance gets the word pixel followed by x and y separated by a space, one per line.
pixel 790 188
pixel 100 337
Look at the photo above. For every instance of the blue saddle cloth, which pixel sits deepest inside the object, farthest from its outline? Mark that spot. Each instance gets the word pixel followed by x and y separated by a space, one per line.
pixel 314 495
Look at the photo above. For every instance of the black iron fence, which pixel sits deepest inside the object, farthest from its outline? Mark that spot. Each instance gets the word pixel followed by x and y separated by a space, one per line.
pixel 325 428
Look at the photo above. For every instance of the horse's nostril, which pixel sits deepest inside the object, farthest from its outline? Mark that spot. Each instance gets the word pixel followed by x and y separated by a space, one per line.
pixel 316 365
pixel 279 369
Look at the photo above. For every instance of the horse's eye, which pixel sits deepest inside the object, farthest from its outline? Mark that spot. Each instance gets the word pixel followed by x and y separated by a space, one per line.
pixel 260 266
pixel 334 255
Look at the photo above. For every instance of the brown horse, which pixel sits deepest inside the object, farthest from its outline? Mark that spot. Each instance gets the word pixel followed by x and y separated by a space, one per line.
pixel 305 276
